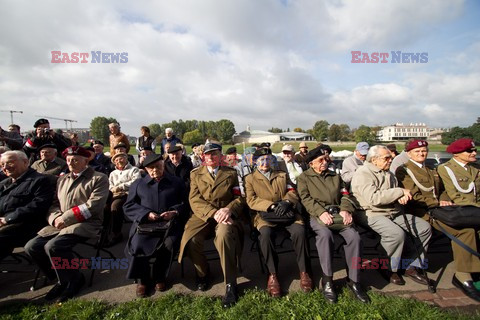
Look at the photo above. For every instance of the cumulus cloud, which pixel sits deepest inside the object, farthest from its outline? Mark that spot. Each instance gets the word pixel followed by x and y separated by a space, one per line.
pixel 267 63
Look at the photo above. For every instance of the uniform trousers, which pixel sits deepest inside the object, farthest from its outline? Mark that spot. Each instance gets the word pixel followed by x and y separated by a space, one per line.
pixel 392 230
pixel 43 249
pixel 464 261
pixel 228 242
pixel 324 242
pixel 299 242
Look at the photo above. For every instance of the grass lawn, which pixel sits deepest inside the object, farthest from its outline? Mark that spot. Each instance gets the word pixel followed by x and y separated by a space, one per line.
pixel 254 304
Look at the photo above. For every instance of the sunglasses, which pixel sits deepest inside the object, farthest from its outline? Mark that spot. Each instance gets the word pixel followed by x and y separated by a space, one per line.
pixel 471 150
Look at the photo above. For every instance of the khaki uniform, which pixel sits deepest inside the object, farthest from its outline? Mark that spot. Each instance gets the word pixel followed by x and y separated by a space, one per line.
pixel 207 195
pixel 261 194
pixel 464 261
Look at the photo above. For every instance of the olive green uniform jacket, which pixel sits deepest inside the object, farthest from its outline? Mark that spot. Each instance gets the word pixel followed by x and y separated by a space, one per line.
pixel 464 178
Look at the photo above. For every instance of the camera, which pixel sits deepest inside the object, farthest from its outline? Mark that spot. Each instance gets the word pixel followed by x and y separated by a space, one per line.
pixel 333 210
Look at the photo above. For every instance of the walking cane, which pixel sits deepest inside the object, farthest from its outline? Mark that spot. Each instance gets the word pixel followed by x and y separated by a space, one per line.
pixel 431 288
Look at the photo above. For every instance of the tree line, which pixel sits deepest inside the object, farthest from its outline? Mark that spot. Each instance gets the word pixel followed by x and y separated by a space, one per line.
pixel 472 132
pixel 190 131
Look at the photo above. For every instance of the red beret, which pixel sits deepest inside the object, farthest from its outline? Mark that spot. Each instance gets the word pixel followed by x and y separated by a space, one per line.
pixel 416 144
pixel 76 151
pixel 461 145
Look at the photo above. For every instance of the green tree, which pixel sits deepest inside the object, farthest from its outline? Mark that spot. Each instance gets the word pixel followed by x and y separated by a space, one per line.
pixel 454 134
pixel 335 133
pixel 365 133
pixel 275 130
pixel 194 136
pixel 225 129
pixel 298 130
pixel 155 130
pixel 346 132
pixel 320 130
pixel 99 129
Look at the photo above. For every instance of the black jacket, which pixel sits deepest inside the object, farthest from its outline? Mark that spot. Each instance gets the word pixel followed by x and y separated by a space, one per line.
pixel 182 170
pixel 26 200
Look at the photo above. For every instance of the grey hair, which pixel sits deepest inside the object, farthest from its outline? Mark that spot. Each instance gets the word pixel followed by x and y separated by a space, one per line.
pixel 16 153
pixel 168 130
pixel 374 151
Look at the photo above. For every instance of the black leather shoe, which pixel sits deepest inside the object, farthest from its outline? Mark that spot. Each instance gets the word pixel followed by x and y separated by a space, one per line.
pixel 230 297
pixel 73 287
pixel 328 290
pixel 55 292
pixel 467 287
pixel 202 283
pixel 358 291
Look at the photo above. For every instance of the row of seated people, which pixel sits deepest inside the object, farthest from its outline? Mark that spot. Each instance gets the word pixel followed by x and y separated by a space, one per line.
pixel 214 198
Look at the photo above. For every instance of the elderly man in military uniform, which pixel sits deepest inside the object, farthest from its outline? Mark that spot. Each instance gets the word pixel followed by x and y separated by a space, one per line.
pixel 330 207
pixel 460 175
pixel 381 200
pixel 75 217
pixel 216 204
pixel 268 190
pixel 25 197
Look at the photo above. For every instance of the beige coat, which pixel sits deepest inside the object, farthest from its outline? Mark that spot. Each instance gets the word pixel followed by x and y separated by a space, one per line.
pixel 262 193
pixel 207 196
pixel 376 190
pixel 464 178
pixel 80 202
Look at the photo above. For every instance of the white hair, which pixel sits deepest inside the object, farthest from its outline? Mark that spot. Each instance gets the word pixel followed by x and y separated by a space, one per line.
pixel 168 130
pixel 374 151
pixel 17 154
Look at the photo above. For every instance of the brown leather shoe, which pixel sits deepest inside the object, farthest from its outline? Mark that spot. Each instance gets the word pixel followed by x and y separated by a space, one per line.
pixel 397 279
pixel 141 290
pixel 416 276
pixel 273 286
pixel 160 286
pixel 305 282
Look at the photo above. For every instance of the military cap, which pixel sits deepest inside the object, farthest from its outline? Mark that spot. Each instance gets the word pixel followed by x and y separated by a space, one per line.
pixel 76 151
pixel 261 152
pixel 414 144
pixel 461 145
pixel 174 149
pixel 47 145
pixel 209 147
pixel 322 150
pixel 98 142
pixel 120 145
pixel 40 122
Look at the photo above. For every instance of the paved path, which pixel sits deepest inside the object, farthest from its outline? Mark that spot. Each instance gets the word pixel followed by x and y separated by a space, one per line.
pixel 111 285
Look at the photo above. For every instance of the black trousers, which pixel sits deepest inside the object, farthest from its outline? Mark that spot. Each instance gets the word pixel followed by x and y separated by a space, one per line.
pixel 16 235
pixel 43 249
pixel 299 242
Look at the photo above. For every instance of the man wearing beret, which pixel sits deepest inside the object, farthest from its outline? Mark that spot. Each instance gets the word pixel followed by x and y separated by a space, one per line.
pixel 43 135
pixel 25 197
pixel 75 216
pixel 268 190
pixel 157 197
pixel 179 165
pixel 216 204
pixel 461 177
pixel 331 210
pixel 49 163
pixel 381 202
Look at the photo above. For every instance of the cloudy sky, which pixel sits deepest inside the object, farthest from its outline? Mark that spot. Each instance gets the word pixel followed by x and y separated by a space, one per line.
pixel 265 63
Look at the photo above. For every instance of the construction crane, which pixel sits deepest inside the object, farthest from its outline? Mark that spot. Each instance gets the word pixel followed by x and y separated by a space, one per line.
pixel 11 114
pixel 66 121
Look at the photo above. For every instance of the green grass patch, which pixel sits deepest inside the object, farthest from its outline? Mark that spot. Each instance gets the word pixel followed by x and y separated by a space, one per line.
pixel 254 304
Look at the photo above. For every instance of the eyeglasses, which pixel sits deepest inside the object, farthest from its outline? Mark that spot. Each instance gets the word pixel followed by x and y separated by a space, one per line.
pixel 386 158
pixel 471 150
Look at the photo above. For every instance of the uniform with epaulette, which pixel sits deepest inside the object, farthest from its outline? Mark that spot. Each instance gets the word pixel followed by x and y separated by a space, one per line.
pixel 460 176
pixel 209 192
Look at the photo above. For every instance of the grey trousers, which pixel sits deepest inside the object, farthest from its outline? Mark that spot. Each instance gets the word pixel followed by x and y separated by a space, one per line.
pixel 325 244
pixel 393 233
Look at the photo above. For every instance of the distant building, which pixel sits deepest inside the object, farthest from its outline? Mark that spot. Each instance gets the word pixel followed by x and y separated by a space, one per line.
pixel 259 136
pixel 435 134
pixel 400 131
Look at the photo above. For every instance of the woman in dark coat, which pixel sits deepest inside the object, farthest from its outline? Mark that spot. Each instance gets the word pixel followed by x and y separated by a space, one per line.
pixel 156 197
